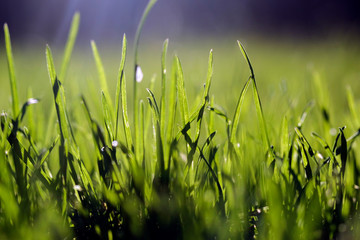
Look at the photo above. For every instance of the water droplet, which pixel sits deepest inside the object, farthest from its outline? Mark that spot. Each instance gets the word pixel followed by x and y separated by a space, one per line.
pixel 32 101
pixel 139 74
pixel 77 188
pixel 114 144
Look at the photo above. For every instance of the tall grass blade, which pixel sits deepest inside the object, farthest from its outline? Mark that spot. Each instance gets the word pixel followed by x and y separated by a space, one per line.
pixel 10 60
pixel 171 113
pixel 140 26
pixel 328 151
pixel 163 84
pixel 69 45
pixel 142 135
pixel 64 66
pixel 352 106
pixel 236 119
pixel 58 92
pixel 159 144
pixel 119 82
pixel 101 73
pixel 138 75
pixel 107 116
pixel 257 100
pixel 126 122
pixel 183 103
pixel 209 76
pixel 284 147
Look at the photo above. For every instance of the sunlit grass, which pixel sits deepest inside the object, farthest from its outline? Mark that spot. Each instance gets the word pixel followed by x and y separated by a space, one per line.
pixel 187 153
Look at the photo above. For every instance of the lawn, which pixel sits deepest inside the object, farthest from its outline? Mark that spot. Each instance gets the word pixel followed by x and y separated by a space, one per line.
pixel 186 139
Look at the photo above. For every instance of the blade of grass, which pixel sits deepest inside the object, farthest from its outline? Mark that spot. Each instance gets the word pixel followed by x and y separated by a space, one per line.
pixel 284 147
pixel 257 100
pixel 64 66
pixel 10 60
pixel 107 116
pixel 171 113
pixel 184 109
pixel 58 95
pixel 119 82
pixel 159 145
pixel 126 122
pixel 149 6
pixel 328 150
pixel 163 84
pixel 138 73
pixel 70 45
pixel 236 119
pixel 101 73
pixel 352 106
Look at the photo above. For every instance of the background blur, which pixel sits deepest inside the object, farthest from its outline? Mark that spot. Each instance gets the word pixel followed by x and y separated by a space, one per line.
pixel 109 19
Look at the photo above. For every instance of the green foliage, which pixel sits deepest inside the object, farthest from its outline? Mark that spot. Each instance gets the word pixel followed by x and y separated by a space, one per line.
pixel 186 176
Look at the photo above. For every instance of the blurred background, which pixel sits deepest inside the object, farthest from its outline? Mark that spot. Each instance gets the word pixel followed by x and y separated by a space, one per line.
pixel 288 41
pixel 109 19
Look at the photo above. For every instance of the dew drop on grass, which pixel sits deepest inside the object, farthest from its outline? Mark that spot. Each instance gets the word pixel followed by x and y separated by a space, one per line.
pixel 32 101
pixel 139 74
pixel 114 144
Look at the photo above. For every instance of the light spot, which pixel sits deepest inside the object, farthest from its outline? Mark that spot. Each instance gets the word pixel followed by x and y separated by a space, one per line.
pixel 77 188
pixel 139 74
pixel 114 144
pixel 32 101
pixel 333 131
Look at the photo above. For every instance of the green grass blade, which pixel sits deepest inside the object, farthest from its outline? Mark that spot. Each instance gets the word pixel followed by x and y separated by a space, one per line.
pixel 163 83
pixel 101 73
pixel 107 116
pixel 70 45
pixel 125 115
pixel 209 76
pixel 64 66
pixel 118 85
pixel 236 118
pixel 138 75
pixel 328 151
pixel 343 150
pixel 58 95
pixel 242 49
pixel 140 26
pixel 304 140
pixel 171 113
pixel 257 100
pixel 305 113
pixel 352 106
pixel 10 60
pixel 142 134
pixel 284 147
pixel 30 117
pixel 159 144
pixel 154 105
pixel 183 103
pixel 305 158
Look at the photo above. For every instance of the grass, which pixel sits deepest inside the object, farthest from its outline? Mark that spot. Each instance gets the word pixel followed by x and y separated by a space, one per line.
pixel 190 161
